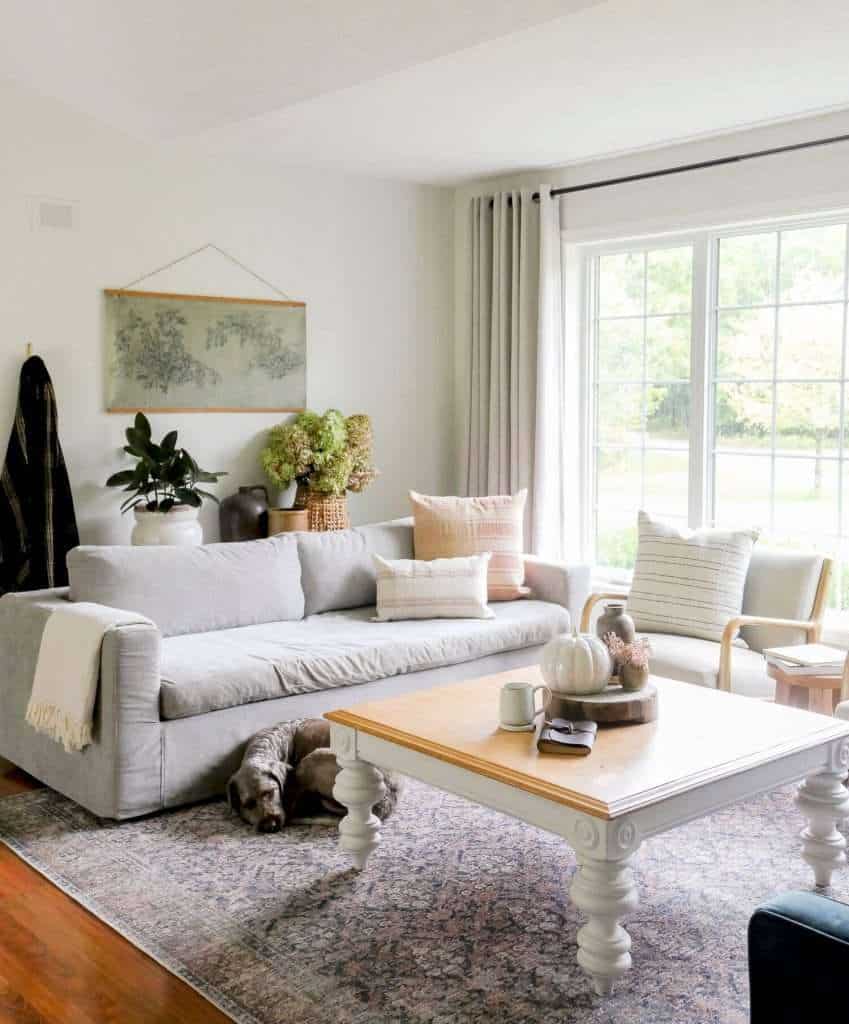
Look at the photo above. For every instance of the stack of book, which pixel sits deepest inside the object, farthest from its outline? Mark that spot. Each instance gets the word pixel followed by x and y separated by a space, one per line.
pixel 807 659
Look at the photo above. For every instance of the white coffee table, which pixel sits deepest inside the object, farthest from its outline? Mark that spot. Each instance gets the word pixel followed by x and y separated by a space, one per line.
pixel 707 749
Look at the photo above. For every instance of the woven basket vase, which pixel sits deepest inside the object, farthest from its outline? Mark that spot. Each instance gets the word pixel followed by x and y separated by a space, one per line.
pixel 327 512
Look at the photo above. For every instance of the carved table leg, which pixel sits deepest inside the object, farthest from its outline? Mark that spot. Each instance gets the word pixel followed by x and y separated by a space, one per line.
pixel 358 787
pixel 823 800
pixel 606 892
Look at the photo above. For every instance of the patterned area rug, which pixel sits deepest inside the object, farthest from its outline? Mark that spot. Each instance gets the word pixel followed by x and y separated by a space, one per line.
pixel 462 914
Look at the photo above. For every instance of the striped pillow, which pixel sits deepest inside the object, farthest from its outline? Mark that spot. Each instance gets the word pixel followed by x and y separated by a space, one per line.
pixel 688 583
pixel 448 527
pixel 446 588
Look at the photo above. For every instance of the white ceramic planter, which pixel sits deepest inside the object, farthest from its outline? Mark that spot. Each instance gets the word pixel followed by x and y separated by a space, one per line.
pixel 177 526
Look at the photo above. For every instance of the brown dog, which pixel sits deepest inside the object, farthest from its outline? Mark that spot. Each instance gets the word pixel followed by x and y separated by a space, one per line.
pixel 287 775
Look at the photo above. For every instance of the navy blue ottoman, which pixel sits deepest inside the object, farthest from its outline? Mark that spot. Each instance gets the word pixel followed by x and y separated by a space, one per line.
pixel 799 959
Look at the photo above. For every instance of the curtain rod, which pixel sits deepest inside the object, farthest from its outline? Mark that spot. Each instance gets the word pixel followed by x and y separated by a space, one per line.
pixel 700 166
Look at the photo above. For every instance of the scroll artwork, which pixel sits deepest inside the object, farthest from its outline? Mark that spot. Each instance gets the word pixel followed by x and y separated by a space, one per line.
pixel 196 353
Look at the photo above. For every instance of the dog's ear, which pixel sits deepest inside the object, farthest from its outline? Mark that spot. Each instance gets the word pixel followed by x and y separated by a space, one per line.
pixel 233 797
pixel 278 771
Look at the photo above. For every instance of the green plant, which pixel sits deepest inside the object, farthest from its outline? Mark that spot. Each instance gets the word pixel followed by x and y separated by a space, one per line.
pixel 330 452
pixel 164 475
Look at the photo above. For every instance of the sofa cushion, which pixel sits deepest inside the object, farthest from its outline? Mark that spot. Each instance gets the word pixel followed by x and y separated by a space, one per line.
pixel 450 527
pixel 194 589
pixel 444 588
pixel 337 569
pixel 697 661
pixel 211 671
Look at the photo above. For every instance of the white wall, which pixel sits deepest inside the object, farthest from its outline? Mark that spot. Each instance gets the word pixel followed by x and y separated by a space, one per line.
pixel 371 259
pixel 803 182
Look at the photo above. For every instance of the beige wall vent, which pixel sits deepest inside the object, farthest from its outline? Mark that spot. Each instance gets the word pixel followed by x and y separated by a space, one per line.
pixel 54 214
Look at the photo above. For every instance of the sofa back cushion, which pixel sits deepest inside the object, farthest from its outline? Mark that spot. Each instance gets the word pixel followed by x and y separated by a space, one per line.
pixel 194 589
pixel 337 568
pixel 780 585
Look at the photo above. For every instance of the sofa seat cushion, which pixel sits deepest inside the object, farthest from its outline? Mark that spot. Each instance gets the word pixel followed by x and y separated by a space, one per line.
pixel 210 671
pixel 697 661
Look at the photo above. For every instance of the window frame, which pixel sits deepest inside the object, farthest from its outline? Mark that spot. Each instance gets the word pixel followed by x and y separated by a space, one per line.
pixel 704 316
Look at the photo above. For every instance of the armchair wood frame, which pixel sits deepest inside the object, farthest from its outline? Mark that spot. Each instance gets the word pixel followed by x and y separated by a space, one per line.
pixel 812 626
pixel 844 689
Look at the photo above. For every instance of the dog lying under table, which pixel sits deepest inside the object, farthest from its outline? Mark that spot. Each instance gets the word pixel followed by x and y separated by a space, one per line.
pixel 287 775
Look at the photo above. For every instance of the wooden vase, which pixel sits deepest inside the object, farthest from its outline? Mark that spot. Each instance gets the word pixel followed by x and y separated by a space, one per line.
pixel 285 520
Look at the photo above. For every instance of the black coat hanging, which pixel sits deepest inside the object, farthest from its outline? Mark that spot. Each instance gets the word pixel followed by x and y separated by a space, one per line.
pixel 37 522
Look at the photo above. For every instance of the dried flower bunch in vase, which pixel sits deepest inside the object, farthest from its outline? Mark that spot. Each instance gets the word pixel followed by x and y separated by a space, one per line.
pixel 327 455
pixel 632 660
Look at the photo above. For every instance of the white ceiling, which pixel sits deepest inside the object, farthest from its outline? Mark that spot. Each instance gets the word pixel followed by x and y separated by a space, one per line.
pixel 436 92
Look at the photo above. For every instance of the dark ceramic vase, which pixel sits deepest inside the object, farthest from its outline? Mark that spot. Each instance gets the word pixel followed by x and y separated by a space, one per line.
pixel 614 619
pixel 244 516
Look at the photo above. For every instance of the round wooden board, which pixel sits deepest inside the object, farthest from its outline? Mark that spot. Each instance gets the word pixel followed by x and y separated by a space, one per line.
pixel 612 706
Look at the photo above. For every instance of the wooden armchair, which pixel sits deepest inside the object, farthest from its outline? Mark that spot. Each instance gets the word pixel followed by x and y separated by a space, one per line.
pixel 762 595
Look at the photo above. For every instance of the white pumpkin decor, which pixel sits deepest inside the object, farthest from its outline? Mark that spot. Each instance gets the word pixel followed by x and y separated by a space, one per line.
pixel 576 664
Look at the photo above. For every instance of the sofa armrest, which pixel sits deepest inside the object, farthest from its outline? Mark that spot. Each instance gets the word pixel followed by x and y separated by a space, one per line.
pixel 558 582
pixel 798 958
pixel 732 628
pixel 119 773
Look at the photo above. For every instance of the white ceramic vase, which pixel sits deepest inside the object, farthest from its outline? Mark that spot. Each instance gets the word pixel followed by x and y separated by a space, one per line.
pixel 177 526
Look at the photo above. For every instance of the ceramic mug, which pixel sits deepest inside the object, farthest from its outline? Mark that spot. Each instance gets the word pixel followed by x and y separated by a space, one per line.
pixel 518 704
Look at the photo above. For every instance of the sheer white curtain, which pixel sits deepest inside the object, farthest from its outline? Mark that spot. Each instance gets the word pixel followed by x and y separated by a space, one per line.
pixel 516 417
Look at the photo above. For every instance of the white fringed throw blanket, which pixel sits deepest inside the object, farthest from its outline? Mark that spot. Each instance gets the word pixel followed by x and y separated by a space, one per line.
pixel 65 686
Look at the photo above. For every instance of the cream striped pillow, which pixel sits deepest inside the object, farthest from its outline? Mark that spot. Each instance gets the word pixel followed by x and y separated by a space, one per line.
pixel 448 527
pixel 688 583
pixel 445 588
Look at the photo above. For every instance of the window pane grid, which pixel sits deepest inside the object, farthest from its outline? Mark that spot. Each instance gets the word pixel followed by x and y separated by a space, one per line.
pixel 794 452
pixel 642 328
pixel 770 444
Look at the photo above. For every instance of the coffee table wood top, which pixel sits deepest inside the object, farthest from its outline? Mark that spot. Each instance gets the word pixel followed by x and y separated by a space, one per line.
pixel 700 736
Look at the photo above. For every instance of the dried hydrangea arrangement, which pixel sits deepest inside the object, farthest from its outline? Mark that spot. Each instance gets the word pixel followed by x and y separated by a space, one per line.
pixel 330 453
pixel 632 660
pixel 635 653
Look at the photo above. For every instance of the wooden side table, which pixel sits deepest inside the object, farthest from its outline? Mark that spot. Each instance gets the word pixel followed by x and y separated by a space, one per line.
pixel 814 693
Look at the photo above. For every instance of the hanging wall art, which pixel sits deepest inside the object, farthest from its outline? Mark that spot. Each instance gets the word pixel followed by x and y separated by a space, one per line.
pixel 199 353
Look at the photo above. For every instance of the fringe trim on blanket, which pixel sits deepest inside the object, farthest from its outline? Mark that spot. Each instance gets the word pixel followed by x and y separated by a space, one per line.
pixel 58 724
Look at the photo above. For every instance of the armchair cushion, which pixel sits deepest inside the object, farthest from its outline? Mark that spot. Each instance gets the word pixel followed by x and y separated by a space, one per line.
pixel 780 585
pixel 697 661
pixel 688 582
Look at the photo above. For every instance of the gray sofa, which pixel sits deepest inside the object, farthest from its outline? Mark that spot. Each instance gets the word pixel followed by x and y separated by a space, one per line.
pixel 245 635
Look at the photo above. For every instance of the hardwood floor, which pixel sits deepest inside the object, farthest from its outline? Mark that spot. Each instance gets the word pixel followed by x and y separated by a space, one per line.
pixel 59 963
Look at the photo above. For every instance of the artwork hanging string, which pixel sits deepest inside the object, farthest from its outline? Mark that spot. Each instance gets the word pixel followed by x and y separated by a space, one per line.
pixel 195 252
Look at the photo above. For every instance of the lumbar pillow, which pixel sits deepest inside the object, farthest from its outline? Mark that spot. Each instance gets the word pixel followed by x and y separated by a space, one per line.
pixel 688 582
pixel 445 588
pixel 449 527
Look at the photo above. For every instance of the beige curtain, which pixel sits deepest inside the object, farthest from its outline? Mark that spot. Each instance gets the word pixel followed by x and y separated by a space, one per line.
pixel 516 381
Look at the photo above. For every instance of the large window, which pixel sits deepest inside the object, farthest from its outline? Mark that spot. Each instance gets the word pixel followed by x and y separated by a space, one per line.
pixel 718 388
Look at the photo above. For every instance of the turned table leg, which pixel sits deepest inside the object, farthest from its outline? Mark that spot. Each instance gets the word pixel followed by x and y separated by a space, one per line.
pixel 823 800
pixel 605 891
pixel 358 787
